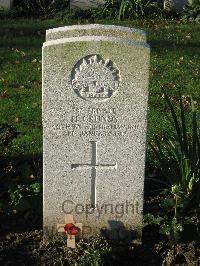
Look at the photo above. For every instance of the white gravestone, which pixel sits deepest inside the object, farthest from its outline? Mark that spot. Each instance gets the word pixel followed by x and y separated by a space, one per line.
pixel 176 5
pixel 86 4
pixel 95 91
pixel 6 4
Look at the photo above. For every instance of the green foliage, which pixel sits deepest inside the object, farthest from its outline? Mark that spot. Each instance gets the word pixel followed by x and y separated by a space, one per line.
pixel 131 8
pixel 37 8
pixel 179 159
pixel 91 258
pixel 20 79
pixel 93 252
pixel 20 88
pixel 121 9
pixel 171 228
pixel 152 219
pixel 7 134
pixel 179 155
pixel 191 12
pixel 20 191
pixel 25 198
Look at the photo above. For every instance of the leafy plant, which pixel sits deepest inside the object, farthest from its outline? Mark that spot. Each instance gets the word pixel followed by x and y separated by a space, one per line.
pixel 168 227
pixel 179 155
pixel 96 250
pixel 130 8
pixel 25 198
pixel 7 134
pixel 44 8
pixel 179 159
pixel 191 12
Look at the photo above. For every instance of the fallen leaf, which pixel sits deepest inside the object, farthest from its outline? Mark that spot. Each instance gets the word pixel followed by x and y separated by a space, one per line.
pixel 3 95
pixel 23 54
pixel 5 82
pixel 17 119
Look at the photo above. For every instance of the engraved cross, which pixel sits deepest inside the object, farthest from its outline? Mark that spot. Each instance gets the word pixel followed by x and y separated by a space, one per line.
pixel 94 165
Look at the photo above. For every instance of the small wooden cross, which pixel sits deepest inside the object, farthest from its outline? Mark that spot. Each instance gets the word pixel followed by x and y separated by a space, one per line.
pixel 71 240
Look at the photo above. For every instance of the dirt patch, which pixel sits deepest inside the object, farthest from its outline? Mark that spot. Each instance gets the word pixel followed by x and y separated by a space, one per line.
pixel 28 249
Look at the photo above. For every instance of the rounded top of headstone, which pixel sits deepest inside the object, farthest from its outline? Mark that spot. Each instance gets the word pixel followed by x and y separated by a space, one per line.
pixel 95 30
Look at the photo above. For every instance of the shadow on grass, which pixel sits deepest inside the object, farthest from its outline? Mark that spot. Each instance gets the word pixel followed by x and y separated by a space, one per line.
pixel 28 248
pixel 21 207
pixel 16 34
pixel 173 45
pixel 125 247
pixel 20 194
pixel 21 243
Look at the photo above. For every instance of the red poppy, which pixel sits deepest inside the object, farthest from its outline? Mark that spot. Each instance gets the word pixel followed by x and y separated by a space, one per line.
pixel 70 229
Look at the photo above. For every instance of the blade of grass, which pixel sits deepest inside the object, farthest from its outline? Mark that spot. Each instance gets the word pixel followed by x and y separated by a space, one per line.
pixel 163 160
pixel 194 135
pixel 183 121
pixel 175 119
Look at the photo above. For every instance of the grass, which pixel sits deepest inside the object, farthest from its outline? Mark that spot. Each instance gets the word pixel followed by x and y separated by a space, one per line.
pixel 174 61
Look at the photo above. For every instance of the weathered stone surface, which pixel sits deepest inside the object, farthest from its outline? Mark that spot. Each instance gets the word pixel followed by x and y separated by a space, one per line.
pixel 95 30
pixel 6 4
pixel 176 5
pixel 95 91
pixel 86 4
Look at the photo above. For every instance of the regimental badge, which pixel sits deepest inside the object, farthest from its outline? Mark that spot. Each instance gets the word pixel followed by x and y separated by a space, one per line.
pixel 94 78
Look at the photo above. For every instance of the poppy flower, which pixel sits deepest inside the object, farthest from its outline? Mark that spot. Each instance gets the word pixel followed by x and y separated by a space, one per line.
pixel 70 229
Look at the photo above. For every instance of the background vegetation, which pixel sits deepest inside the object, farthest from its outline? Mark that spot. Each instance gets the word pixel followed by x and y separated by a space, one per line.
pixel 118 9
pixel 173 130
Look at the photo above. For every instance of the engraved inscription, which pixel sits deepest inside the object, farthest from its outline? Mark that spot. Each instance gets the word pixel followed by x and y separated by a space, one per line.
pixel 94 78
pixel 96 122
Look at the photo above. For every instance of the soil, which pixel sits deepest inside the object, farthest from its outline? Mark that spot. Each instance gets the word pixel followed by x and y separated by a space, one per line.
pixel 21 243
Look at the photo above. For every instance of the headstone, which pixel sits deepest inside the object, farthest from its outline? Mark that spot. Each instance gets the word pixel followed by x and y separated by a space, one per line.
pixel 95 30
pixel 86 4
pixel 6 4
pixel 176 5
pixel 95 90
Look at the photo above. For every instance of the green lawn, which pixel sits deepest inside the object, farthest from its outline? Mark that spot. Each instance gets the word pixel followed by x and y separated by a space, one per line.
pixel 174 61
pixel 174 64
